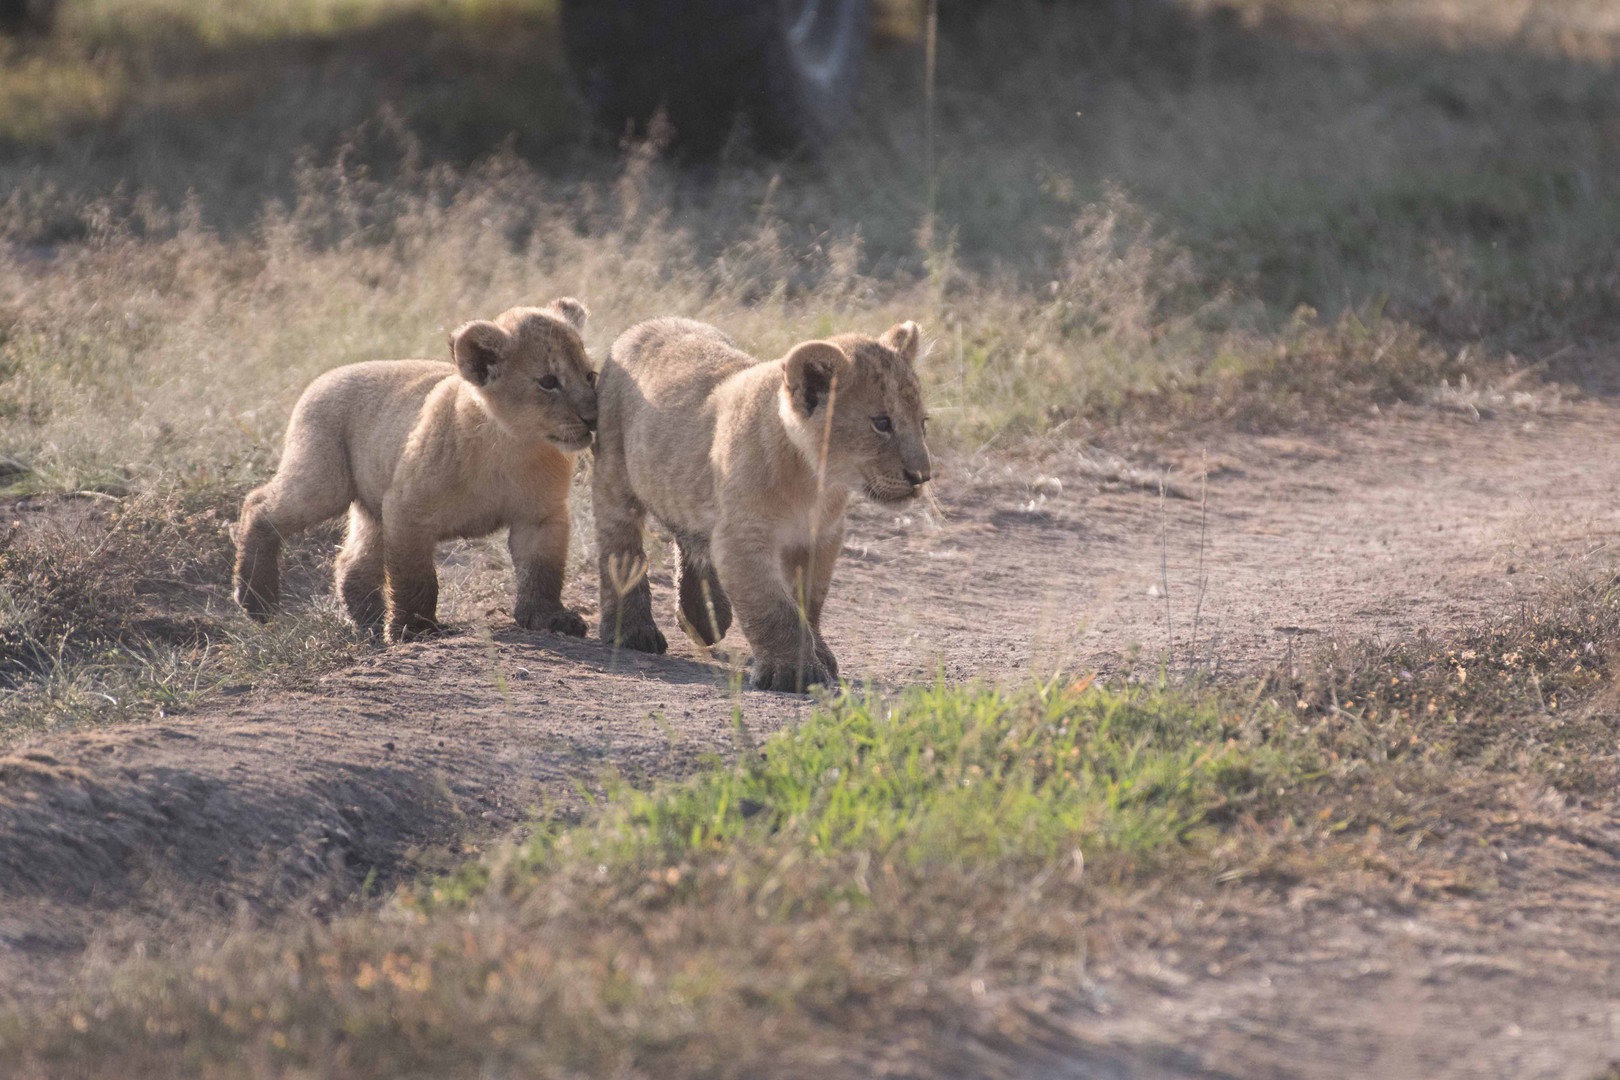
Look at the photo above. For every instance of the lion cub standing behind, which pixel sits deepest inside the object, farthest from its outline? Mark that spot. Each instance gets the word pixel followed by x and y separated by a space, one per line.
pixel 749 464
pixel 420 451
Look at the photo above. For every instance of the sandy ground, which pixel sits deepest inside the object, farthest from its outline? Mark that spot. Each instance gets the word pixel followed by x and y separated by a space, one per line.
pixel 1383 529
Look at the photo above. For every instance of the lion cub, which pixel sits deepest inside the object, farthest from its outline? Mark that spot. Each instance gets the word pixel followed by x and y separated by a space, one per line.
pixel 749 464
pixel 420 451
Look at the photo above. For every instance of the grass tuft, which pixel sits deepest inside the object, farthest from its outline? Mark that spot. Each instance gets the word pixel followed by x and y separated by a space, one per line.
pixel 1532 693
pixel 120 609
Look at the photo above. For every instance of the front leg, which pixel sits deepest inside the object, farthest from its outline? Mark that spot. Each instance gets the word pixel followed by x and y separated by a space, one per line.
pixel 810 570
pixel 410 584
pixel 777 628
pixel 540 558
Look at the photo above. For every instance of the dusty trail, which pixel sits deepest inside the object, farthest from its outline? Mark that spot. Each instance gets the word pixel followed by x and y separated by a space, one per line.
pixel 1383 529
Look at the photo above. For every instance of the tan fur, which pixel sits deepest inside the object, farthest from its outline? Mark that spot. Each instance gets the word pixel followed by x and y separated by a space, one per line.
pixel 750 465
pixel 420 451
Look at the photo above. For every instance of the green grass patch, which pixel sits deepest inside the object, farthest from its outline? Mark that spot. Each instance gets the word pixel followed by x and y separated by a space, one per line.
pixel 951 774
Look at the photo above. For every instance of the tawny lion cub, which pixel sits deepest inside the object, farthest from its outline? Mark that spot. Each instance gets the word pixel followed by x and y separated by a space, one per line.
pixel 420 451
pixel 749 464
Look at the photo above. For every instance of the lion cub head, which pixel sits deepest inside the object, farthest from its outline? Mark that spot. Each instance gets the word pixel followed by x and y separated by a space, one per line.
pixel 864 393
pixel 531 371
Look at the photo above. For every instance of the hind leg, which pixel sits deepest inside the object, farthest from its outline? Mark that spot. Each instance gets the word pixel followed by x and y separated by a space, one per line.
pixel 705 609
pixel 360 568
pixel 627 617
pixel 410 582
pixel 307 489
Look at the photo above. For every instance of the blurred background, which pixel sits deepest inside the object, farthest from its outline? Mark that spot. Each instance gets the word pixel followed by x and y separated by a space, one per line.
pixel 1102 203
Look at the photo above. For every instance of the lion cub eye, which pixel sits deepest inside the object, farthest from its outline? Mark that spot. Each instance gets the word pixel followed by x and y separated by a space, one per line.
pixel 549 382
pixel 590 378
pixel 882 424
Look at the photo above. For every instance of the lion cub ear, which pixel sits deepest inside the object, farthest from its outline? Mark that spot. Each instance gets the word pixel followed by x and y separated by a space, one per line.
pixel 809 372
pixel 572 311
pixel 904 339
pixel 478 349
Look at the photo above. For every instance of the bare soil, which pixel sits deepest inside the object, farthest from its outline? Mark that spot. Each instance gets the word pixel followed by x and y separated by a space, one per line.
pixel 270 798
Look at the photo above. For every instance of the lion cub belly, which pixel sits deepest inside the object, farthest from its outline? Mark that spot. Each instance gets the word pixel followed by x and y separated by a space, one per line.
pixel 679 495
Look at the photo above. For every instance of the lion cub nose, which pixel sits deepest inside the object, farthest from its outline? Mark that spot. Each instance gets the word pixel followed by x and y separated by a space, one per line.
pixel 915 478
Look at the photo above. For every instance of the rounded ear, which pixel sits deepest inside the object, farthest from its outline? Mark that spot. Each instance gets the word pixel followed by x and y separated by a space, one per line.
pixel 809 371
pixel 904 339
pixel 478 348
pixel 572 311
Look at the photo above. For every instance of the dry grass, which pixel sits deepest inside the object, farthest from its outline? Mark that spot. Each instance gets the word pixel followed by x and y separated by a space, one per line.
pixel 120 610
pixel 160 349
pixel 1145 259
pixel 875 864
pixel 1532 693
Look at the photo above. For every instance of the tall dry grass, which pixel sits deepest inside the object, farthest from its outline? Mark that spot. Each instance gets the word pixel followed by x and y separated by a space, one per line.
pixel 1456 160
pixel 159 349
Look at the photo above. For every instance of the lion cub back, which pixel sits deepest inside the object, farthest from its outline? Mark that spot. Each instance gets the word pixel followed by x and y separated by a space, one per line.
pixel 672 359
pixel 658 407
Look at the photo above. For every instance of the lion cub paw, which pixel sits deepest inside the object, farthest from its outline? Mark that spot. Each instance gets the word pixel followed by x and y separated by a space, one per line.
pixel 647 639
pixel 789 678
pixel 826 659
pixel 414 630
pixel 558 621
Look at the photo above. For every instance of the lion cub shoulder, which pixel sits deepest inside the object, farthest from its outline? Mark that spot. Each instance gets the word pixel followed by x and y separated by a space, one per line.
pixel 749 464
pixel 419 451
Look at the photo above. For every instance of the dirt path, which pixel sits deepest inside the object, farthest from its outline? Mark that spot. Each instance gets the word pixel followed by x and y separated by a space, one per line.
pixel 1518 981
pixel 1400 525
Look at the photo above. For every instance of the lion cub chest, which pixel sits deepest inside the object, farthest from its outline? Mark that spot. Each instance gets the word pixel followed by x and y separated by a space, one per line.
pixel 481 480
